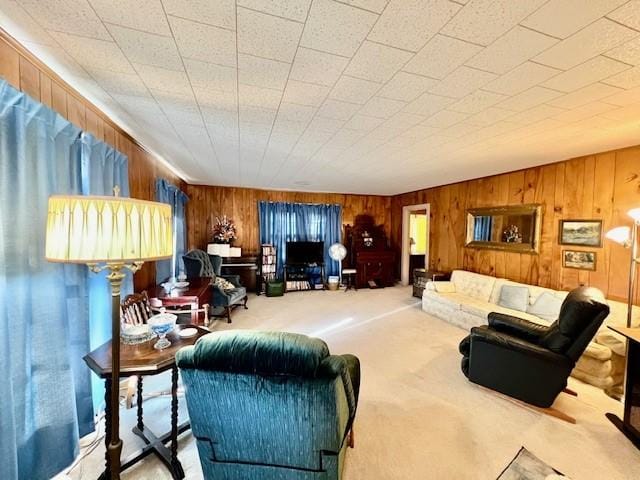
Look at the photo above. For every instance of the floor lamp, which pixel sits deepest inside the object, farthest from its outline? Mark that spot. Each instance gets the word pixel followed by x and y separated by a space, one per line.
pixel 113 234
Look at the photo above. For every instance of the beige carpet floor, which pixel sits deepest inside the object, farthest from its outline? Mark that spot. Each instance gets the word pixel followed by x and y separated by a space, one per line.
pixel 418 418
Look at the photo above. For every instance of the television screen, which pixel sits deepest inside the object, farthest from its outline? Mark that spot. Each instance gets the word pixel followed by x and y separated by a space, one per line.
pixel 305 252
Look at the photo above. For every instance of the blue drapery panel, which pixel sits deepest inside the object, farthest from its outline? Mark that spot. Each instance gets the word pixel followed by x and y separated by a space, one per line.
pixel 102 168
pixel 169 193
pixel 482 229
pixel 45 391
pixel 282 222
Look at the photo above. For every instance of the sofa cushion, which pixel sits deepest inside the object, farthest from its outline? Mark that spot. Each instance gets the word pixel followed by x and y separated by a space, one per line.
pixel 444 287
pixel 514 297
pixel 472 284
pixel 497 288
pixel 547 307
pixel 451 300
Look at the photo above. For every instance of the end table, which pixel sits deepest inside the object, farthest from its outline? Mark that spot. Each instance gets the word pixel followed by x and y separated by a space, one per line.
pixel 143 359
pixel 421 276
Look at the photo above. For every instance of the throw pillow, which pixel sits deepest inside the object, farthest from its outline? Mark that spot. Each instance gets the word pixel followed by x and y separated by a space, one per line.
pixel 223 284
pixel 547 307
pixel 514 297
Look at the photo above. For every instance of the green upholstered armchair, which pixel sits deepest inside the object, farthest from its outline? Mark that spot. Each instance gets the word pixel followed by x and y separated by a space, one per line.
pixel 199 263
pixel 269 405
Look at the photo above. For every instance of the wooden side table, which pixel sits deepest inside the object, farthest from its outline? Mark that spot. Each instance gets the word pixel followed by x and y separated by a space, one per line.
pixel 143 359
pixel 197 294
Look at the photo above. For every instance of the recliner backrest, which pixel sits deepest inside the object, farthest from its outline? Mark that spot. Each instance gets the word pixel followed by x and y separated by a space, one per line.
pixel 206 269
pixel 581 315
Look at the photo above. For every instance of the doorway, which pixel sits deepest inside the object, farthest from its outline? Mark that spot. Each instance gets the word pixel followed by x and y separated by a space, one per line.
pixel 415 240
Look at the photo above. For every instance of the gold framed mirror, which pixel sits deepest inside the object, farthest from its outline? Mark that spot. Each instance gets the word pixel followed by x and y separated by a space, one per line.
pixel 512 227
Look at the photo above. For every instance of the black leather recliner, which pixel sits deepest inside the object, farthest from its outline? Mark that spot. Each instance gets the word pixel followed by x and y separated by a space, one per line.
pixel 528 361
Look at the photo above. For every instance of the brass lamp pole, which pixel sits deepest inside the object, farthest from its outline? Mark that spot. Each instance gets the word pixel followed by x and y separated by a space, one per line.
pixel 113 234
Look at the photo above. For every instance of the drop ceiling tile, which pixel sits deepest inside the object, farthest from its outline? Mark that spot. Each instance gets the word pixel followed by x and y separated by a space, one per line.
pixel 291 112
pixel 337 109
pixel 382 107
pixel 624 97
pixel 376 6
pixel 93 53
pixel 561 18
pixel 147 48
pixel 69 16
pixel 584 111
pixel 256 115
pixel 628 52
pixel 319 126
pixel 317 67
pixel 354 90
pixel 421 131
pixel 195 41
pixel 586 73
pixel 489 116
pixel 162 79
pixel 291 9
pixel 521 78
pixel 363 123
pixel 627 79
pixel 126 84
pixel 507 52
pixel 262 72
pixel 30 30
pixel 596 91
pixel 147 16
pixel 409 24
pixel 427 104
pixel 267 36
pixel 462 82
pixel 259 97
pixel 336 28
pixel 376 62
pixel 529 98
pixel 476 102
pixel 536 114
pixel 304 93
pixel 441 56
pixel 220 13
pixel 143 106
pixel 211 75
pixel 593 40
pixel 215 99
pixel 406 86
pixel 445 118
pixel 630 112
pixel 483 21
pixel 628 14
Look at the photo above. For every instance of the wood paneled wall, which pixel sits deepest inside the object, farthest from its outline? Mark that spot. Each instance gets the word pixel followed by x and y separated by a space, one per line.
pixel 602 186
pixel 26 73
pixel 241 204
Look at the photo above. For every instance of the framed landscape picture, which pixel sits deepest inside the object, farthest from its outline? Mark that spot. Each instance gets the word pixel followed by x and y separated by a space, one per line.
pixel 579 260
pixel 586 233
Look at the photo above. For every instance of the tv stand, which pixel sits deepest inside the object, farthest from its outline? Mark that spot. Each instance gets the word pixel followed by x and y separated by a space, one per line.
pixel 297 277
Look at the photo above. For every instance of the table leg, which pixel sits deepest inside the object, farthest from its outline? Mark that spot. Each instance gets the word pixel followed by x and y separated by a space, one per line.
pixel 107 426
pixel 140 423
pixel 175 463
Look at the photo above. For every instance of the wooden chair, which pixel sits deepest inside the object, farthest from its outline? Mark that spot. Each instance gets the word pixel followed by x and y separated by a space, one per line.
pixel 136 309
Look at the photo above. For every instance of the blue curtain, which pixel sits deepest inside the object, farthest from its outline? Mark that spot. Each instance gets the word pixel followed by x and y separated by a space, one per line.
pixel 45 392
pixel 51 314
pixel 282 222
pixel 169 193
pixel 102 168
pixel 482 229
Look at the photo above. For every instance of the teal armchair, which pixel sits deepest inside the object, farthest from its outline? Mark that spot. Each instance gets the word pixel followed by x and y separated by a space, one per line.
pixel 269 405
pixel 199 263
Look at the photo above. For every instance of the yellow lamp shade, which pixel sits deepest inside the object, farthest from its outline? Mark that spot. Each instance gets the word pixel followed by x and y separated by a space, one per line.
pixel 92 229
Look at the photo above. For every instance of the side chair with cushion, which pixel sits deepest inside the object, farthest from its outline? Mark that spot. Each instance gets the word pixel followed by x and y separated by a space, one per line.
pixel 528 361
pixel 228 292
pixel 269 405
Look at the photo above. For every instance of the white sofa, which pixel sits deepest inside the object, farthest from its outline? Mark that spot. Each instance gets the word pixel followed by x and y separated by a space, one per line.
pixel 468 298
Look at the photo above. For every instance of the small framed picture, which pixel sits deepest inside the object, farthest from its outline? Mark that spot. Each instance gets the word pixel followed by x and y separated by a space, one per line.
pixel 578 259
pixel 585 233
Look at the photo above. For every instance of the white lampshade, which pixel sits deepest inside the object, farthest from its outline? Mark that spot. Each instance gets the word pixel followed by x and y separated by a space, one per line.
pixel 621 235
pixel 635 214
pixel 92 229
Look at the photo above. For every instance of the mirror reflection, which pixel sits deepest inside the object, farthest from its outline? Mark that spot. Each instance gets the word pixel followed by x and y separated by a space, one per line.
pixel 504 228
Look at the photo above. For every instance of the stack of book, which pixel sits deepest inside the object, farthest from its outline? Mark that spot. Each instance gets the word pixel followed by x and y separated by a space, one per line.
pixel 268 270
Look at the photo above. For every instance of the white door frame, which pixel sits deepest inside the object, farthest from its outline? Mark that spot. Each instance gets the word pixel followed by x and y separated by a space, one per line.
pixel 406 248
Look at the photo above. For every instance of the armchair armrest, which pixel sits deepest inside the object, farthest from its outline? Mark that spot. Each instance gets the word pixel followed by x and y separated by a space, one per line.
pixel 235 279
pixel 518 327
pixel 487 336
